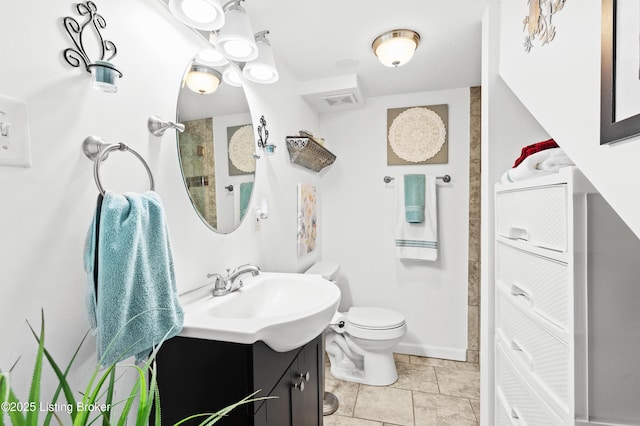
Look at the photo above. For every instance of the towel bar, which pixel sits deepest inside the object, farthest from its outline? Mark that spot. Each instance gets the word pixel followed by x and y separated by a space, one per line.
pixel 96 149
pixel 445 178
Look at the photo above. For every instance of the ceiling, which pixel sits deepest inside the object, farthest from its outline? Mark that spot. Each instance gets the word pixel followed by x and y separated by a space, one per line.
pixel 330 38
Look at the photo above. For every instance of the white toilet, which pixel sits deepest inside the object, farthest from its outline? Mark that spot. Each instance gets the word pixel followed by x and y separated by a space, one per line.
pixel 360 342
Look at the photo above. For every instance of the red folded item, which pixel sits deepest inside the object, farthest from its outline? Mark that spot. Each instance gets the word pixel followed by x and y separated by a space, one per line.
pixel 532 149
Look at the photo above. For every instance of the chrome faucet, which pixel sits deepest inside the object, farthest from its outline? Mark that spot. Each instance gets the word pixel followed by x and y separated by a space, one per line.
pixel 228 285
pixel 220 287
pixel 244 269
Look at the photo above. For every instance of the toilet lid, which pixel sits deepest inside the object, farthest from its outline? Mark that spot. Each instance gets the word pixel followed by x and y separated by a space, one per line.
pixel 378 318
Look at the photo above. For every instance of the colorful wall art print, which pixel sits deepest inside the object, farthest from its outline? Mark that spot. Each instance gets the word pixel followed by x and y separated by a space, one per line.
pixel 307 219
pixel 417 135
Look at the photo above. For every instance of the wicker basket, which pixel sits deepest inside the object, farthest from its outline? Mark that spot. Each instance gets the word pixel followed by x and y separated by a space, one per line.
pixel 308 153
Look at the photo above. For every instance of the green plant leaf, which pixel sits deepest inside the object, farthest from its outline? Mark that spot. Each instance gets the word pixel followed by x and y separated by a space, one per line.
pixel 127 406
pixel 62 379
pixel 143 400
pixel 106 416
pixel 90 397
pixel 57 418
pixel 34 392
pixel 154 398
pixel 7 395
pixel 4 391
pixel 212 418
pixel 158 419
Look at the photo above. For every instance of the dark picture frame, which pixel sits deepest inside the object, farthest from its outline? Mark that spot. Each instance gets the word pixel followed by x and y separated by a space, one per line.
pixel 610 129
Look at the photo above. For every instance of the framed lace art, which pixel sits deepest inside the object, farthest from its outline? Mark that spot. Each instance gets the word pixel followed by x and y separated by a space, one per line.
pixel 241 146
pixel 418 135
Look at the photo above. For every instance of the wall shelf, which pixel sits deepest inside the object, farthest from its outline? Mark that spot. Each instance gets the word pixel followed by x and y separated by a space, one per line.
pixel 308 153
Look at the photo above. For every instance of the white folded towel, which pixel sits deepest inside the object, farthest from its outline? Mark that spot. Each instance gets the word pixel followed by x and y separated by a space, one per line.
pixel 417 240
pixel 541 163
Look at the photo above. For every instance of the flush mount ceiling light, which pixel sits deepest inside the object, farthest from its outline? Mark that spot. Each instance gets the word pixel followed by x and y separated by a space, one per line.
pixel 262 69
pixel 202 79
pixel 236 39
pixel 207 15
pixel 396 48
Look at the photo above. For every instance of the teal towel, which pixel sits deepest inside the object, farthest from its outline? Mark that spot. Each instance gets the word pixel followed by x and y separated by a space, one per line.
pixel 131 296
pixel 245 197
pixel 414 191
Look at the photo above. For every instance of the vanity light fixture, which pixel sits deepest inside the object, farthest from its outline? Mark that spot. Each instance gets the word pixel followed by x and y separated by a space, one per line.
pixel 395 48
pixel 211 57
pixel 262 69
pixel 235 39
pixel 202 79
pixel 207 15
pixel 231 76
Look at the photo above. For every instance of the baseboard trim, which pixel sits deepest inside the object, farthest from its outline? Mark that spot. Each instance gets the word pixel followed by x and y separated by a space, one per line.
pixel 457 354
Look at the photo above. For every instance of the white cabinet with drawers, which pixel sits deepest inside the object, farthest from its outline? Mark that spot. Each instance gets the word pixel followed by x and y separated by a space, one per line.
pixel 567 306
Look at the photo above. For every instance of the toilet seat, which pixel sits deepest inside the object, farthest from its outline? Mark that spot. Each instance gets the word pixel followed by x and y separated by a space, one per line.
pixel 375 323
pixel 371 318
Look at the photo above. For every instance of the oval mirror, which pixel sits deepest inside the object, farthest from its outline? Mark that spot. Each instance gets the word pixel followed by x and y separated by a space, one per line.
pixel 216 149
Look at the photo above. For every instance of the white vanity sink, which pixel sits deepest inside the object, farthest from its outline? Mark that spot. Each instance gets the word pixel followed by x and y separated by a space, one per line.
pixel 283 310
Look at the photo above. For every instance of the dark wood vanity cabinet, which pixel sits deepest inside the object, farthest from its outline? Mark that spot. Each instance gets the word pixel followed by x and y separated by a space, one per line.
pixel 202 376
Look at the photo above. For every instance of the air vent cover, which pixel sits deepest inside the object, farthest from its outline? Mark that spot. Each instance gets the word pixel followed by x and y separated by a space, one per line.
pixel 340 99
pixel 333 94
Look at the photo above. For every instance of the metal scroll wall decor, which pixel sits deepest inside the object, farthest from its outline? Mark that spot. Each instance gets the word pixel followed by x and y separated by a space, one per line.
pixel 104 72
pixel 537 24
pixel 263 138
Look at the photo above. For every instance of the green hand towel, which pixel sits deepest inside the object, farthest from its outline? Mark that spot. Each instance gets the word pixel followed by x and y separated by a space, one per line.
pixel 136 305
pixel 414 198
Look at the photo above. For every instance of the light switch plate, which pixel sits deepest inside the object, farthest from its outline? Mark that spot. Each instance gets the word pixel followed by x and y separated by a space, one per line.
pixel 15 144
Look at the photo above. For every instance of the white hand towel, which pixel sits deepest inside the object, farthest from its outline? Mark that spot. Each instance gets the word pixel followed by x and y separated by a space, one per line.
pixel 541 163
pixel 417 240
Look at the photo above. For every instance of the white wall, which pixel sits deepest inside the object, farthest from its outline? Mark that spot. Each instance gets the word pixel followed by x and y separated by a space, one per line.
pixel 45 210
pixel 560 84
pixel 507 126
pixel 226 201
pixel 358 212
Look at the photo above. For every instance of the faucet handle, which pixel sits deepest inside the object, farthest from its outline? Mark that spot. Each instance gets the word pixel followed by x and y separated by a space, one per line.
pixel 219 282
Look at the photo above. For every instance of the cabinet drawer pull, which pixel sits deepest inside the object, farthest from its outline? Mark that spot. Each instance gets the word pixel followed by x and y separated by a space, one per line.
pixel 299 386
pixel 517 348
pixel 516 290
pixel 514 414
pixel 515 233
pixel 305 376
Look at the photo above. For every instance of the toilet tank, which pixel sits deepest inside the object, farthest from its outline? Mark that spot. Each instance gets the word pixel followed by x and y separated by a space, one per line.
pixel 327 269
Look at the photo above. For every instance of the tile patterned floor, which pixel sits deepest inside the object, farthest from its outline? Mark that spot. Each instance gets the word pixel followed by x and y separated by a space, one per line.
pixel 429 391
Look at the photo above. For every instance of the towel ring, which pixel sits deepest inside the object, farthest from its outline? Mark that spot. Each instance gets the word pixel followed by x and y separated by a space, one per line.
pixel 98 151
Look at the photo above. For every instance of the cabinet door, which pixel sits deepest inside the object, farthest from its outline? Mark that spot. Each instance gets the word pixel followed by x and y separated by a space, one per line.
pixel 299 402
pixel 190 381
pixel 279 408
pixel 307 402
